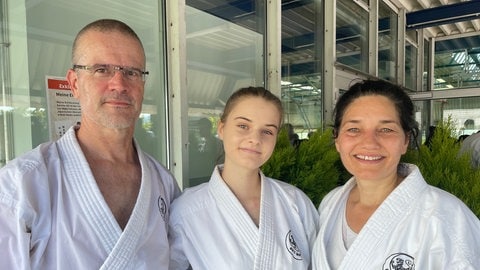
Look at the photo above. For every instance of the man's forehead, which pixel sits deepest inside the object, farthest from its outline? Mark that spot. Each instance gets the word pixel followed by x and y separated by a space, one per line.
pixel 94 39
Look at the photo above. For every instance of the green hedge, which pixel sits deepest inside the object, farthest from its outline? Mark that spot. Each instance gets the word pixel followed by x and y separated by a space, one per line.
pixel 315 167
pixel 443 167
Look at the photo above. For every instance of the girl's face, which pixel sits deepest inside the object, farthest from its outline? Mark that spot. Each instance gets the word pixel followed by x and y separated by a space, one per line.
pixel 371 139
pixel 249 132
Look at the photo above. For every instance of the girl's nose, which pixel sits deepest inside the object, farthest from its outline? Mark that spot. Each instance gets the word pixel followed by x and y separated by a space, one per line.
pixel 254 137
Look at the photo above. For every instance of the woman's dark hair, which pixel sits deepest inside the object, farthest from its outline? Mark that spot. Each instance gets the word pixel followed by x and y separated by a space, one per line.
pixel 403 103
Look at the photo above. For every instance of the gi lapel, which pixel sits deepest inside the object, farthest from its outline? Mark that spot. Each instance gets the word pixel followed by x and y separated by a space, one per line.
pixel 329 216
pixel 378 229
pixel 86 192
pixel 233 212
pixel 123 253
pixel 266 243
pixel 119 245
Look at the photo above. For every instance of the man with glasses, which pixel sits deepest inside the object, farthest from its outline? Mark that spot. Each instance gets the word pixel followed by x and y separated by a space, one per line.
pixel 92 199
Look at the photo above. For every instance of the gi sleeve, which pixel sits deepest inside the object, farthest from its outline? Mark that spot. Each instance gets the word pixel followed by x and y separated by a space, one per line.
pixel 178 259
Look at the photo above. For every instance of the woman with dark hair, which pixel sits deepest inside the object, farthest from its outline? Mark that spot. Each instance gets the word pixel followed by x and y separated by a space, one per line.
pixel 386 216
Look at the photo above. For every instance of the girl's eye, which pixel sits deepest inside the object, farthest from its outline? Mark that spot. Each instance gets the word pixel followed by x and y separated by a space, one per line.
pixel 268 132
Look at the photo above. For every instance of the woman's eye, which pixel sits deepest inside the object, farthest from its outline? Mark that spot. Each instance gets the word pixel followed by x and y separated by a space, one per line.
pixel 386 130
pixel 242 126
pixel 353 130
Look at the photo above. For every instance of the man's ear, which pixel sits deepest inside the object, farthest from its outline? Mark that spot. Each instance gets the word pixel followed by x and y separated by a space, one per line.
pixel 72 79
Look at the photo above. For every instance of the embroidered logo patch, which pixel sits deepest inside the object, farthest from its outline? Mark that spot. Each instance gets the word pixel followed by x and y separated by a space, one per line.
pixel 292 247
pixel 162 206
pixel 399 261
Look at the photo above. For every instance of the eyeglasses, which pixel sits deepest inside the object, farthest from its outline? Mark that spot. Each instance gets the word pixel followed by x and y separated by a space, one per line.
pixel 106 71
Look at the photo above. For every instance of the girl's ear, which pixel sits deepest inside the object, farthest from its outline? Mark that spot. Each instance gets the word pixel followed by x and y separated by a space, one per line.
pixel 220 127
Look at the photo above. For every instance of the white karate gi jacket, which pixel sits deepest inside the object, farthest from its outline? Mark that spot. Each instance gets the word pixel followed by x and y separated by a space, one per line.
pixel 53 215
pixel 471 145
pixel 211 230
pixel 418 226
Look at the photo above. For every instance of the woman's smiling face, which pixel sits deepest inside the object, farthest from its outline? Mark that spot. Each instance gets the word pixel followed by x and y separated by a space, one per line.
pixel 371 139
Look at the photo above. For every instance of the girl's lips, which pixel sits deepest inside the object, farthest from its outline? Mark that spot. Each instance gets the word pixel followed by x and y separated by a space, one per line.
pixel 250 150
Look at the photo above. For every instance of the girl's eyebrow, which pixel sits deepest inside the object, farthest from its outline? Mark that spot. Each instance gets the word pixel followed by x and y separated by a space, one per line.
pixel 242 118
pixel 273 126
pixel 248 120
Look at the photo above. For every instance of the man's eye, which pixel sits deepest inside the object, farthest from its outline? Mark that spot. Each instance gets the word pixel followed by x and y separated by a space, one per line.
pixel 132 72
pixel 101 70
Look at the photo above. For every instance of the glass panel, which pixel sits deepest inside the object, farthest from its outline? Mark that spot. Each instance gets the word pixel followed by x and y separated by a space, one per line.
pixel 352 35
pixel 225 49
pixel 464 112
pixel 5 108
pixel 41 47
pixel 457 63
pixel 387 42
pixel 411 66
pixel 426 65
pixel 422 118
pixel 301 70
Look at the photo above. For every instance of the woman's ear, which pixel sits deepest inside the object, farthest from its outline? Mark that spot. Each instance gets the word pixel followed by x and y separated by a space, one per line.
pixel 407 142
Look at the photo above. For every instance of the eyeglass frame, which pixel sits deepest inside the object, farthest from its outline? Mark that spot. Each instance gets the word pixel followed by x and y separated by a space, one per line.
pixel 123 69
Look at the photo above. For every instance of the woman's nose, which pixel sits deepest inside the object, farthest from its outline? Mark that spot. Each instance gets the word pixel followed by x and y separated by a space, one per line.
pixel 370 138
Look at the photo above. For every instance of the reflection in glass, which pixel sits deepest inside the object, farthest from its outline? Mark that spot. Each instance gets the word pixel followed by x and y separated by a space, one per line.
pixel 387 42
pixel 4 110
pixel 426 61
pixel 352 35
pixel 457 63
pixel 464 113
pixel 42 48
pixel 302 35
pixel 411 66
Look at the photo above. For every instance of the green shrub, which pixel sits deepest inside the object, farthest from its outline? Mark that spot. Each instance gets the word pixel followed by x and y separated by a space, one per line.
pixel 312 166
pixel 443 167
pixel 282 159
